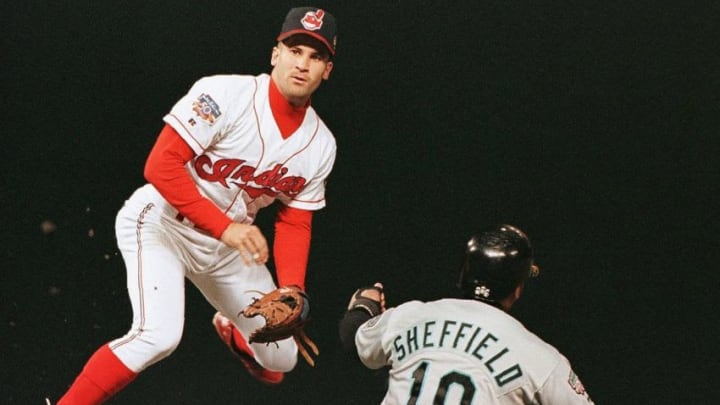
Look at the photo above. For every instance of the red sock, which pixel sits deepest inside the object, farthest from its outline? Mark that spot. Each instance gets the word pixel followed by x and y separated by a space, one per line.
pixel 101 378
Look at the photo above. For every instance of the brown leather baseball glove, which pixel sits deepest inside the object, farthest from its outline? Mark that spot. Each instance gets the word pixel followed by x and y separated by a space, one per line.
pixel 286 310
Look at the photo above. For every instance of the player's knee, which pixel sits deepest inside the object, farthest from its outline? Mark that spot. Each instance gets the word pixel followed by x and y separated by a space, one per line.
pixel 146 348
pixel 282 358
pixel 281 363
pixel 160 344
pixel 166 347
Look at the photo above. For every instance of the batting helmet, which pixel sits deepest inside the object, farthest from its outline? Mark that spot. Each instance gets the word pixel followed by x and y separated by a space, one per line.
pixel 496 261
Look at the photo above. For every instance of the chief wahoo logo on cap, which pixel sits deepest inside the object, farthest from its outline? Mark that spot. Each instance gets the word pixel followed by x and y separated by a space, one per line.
pixel 313 20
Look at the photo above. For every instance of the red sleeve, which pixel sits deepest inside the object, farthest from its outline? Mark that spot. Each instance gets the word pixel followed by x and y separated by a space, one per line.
pixel 165 169
pixel 291 248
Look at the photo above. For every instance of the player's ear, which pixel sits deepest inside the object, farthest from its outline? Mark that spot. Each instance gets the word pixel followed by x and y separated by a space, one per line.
pixel 518 291
pixel 507 302
pixel 328 69
pixel 274 56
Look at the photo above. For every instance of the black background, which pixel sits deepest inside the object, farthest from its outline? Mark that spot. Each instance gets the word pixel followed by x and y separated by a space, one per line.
pixel 591 125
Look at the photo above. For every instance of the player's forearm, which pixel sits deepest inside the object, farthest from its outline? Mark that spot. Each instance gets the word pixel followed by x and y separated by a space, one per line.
pixel 291 246
pixel 349 325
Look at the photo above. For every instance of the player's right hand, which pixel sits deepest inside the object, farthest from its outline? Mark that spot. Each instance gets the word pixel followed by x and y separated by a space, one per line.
pixel 248 240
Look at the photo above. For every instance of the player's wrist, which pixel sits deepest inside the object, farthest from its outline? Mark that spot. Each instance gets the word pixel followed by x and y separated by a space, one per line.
pixel 370 308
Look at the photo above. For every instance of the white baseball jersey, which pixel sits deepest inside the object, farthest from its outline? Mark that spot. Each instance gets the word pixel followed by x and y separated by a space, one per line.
pixel 243 163
pixel 455 351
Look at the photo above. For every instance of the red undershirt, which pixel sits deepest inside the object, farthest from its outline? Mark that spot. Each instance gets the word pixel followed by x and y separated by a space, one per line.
pixel 165 169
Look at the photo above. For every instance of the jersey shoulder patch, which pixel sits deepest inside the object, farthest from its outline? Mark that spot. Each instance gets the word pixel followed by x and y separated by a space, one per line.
pixel 206 108
pixel 577 385
pixel 213 93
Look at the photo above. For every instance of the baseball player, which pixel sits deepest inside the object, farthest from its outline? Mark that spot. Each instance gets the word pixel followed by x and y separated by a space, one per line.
pixel 468 350
pixel 231 146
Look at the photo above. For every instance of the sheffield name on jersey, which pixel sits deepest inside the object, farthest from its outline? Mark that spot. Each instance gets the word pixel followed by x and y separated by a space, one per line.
pixel 462 351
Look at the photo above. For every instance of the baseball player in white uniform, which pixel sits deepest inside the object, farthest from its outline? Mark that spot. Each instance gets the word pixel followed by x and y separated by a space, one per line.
pixel 468 350
pixel 231 146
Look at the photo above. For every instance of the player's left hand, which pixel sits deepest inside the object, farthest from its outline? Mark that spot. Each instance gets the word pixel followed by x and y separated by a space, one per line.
pixel 369 299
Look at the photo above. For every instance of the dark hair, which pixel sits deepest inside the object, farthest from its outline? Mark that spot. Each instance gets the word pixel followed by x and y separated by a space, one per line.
pixel 300 39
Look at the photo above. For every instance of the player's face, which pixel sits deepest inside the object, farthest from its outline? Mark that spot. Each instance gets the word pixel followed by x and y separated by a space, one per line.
pixel 298 71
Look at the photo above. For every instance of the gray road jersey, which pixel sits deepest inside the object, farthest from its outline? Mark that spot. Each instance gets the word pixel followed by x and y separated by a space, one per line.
pixel 465 352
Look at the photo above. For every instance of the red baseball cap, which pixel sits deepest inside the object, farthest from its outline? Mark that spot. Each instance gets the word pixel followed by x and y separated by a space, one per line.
pixel 311 21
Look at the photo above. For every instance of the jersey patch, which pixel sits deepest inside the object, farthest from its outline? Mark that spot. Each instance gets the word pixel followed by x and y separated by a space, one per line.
pixel 206 108
pixel 372 321
pixel 576 384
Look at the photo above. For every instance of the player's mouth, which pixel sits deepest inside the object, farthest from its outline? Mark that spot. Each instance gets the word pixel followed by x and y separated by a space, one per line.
pixel 298 79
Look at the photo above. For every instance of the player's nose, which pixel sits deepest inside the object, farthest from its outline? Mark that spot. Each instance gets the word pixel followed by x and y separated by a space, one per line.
pixel 303 63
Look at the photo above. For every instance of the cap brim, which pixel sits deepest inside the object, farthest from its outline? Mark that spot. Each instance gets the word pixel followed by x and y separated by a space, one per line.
pixel 319 37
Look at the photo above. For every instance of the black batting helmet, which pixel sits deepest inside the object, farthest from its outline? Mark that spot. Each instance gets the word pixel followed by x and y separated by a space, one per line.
pixel 496 261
